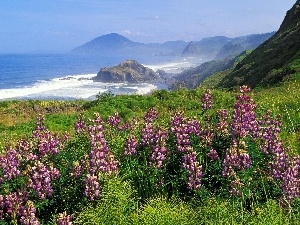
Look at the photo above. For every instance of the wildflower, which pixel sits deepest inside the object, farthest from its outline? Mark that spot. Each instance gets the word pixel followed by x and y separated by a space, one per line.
pixel 27 214
pixel 64 219
pixel 92 187
pixel 191 164
pixel 40 179
pixel 100 158
pixel 10 163
pixel 159 150
pixel 114 120
pixel 80 125
pixel 207 100
pixel 131 145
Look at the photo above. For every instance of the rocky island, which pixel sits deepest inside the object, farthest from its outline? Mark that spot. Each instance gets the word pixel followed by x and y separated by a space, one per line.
pixel 128 71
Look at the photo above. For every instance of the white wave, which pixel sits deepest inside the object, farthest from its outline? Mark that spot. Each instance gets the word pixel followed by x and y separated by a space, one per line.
pixel 176 67
pixel 73 87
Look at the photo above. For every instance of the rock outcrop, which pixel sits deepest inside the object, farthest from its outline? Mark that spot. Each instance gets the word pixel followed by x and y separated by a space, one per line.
pixel 128 71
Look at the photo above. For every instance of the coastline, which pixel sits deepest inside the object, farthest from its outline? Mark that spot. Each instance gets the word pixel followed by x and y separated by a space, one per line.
pixel 81 86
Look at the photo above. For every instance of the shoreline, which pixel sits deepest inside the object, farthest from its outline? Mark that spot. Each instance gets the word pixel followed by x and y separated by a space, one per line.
pixel 76 87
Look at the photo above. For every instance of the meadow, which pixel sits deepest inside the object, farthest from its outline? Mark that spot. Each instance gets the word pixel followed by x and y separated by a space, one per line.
pixel 183 157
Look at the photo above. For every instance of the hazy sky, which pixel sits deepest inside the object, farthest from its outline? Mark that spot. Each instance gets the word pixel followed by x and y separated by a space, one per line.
pixel 60 25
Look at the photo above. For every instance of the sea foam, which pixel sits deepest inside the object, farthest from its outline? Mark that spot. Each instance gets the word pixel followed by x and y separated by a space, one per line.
pixel 73 87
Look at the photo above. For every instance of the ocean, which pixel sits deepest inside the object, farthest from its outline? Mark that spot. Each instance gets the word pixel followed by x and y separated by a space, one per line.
pixel 68 76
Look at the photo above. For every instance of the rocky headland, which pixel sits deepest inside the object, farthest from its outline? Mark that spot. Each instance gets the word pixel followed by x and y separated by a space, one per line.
pixel 128 71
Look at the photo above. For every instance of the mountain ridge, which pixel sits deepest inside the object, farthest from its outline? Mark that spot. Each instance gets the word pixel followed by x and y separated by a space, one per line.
pixel 273 61
pixel 210 48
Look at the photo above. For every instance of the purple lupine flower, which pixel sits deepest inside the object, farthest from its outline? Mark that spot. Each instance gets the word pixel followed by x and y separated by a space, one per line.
pixel 236 158
pixel 194 127
pixel 27 214
pixel 40 179
pixel 13 203
pixel 2 206
pixel 80 125
pixel 182 132
pixel 40 126
pixel 92 187
pixel 290 180
pixel 9 163
pixel 100 158
pixel 270 129
pixel 125 126
pixel 76 170
pixel 235 187
pixel 24 148
pixel 207 136
pixel 282 167
pixel 114 120
pixel 213 155
pixel 48 144
pixel 244 120
pixel 64 219
pixel 131 145
pixel 159 150
pixel 191 164
pixel 207 100
pixel 151 115
pixel 222 125
pixel 147 134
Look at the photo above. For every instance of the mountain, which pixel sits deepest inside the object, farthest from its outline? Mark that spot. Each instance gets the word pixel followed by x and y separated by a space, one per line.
pixel 115 44
pixel 128 71
pixel 222 47
pixel 274 60
pixel 206 49
pixel 243 43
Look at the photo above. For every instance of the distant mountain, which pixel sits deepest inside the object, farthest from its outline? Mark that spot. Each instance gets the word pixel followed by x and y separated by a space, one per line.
pixel 221 47
pixel 115 44
pixel 206 49
pixel 274 60
pixel 243 43
pixel 128 71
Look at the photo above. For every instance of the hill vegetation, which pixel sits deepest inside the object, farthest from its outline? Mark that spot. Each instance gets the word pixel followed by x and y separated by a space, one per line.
pixel 273 61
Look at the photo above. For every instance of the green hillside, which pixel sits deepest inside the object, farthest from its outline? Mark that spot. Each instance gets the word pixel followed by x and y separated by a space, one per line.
pixel 273 61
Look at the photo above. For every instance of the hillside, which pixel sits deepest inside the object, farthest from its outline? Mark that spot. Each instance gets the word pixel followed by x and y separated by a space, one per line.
pixel 191 78
pixel 273 61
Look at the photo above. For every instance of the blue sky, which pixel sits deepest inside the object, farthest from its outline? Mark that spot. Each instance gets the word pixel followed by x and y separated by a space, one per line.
pixel 61 25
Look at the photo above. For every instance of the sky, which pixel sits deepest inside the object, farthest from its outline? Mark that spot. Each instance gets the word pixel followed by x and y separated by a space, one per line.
pixel 28 26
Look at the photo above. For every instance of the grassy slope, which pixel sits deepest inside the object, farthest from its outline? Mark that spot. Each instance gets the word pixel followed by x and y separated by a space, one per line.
pixel 18 118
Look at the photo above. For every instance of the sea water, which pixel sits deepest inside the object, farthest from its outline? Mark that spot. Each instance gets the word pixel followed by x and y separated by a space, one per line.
pixel 69 76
